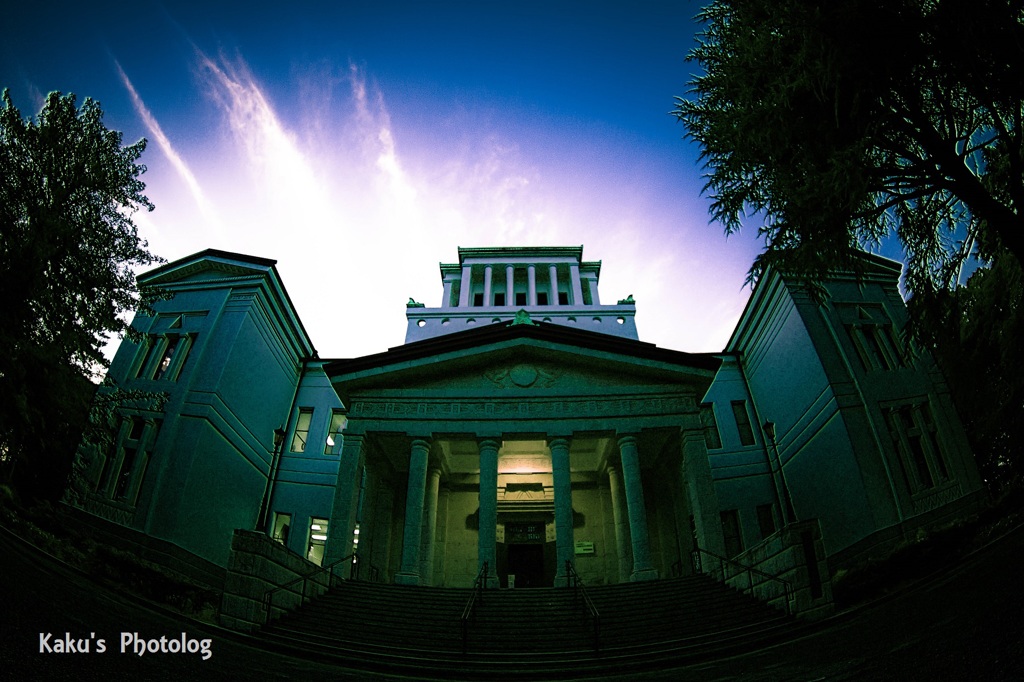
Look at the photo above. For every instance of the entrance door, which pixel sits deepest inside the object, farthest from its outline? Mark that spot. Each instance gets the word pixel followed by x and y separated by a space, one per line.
pixel 526 562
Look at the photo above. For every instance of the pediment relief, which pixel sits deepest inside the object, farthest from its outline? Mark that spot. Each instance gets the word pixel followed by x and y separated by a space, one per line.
pixel 523 375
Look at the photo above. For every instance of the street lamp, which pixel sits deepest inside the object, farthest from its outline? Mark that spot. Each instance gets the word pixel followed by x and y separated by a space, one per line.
pixel 788 512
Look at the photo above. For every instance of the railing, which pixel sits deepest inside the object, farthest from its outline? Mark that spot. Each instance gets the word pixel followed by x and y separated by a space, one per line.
pixel 750 571
pixel 581 598
pixel 477 595
pixel 332 577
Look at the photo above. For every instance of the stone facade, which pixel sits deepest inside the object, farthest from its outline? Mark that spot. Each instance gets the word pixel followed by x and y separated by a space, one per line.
pixel 526 436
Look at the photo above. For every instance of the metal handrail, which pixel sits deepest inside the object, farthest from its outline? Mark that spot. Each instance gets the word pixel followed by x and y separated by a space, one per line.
pixel 574 580
pixel 787 588
pixel 268 596
pixel 478 593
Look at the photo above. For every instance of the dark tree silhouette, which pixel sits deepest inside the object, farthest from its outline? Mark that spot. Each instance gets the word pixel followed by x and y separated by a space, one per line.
pixel 68 189
pixel 839 122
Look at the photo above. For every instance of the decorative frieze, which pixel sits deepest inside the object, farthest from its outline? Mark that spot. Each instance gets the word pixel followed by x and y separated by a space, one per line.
pixel 528 408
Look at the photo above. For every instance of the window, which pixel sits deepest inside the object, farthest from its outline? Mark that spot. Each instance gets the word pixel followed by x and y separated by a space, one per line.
pixel 731 532
pixel 707 419
pixel 913 433
pixel 739 411
pixel 302 429
pixel 149 344
pixel 563 298
pixel 478 300
pixel 766 519
pixel 873 339
pixel 167 357
pixel 282 525
pixel 124 477
pixel 520 298
pixel 333 444
pixel 542 298
pixel 499 299
pixel 317 540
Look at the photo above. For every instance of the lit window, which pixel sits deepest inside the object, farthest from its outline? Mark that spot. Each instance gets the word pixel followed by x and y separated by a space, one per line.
pixel 302 429
pixel 317 540
pixel 710 424
pixel 333 444
pixel 739 411
pixel 167 357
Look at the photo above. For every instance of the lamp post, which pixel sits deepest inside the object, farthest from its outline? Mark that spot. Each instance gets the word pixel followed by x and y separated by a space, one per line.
pixel 788 512
pixel 268 491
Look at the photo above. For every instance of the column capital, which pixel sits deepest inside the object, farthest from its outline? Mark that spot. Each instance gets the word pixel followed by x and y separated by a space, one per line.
pixel 420 443
pixel 626 439
pixel 488 444
pixel 559 441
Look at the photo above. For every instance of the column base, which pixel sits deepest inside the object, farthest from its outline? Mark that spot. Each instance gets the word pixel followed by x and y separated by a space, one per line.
pixel 407 578
pixel 644 574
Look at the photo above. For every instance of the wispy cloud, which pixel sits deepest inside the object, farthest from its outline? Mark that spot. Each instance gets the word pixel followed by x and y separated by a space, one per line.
pixel 186 174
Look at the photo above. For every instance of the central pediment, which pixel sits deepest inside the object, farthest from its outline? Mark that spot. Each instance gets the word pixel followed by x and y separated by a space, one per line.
pixel 518 361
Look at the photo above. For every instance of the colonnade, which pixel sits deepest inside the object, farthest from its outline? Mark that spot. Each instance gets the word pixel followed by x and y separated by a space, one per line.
pixel 491 273
pixel 421 507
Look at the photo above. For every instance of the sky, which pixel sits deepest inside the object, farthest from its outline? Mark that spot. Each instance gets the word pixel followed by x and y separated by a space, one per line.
pixel 359 144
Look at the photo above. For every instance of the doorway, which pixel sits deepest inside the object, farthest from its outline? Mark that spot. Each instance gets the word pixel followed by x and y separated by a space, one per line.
pixel 526 563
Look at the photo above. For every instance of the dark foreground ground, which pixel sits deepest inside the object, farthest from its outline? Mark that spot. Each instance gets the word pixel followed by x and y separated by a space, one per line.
pixel 965 624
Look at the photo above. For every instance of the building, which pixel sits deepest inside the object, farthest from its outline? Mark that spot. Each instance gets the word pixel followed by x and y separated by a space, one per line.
pixel 523 424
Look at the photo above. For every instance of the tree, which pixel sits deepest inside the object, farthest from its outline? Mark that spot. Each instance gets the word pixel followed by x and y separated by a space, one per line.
pixel 68 190
pixel 840 122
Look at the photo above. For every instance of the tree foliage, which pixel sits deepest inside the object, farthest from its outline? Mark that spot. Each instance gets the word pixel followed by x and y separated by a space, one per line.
pixel 840 122
pixel 974 333
pixel 68 190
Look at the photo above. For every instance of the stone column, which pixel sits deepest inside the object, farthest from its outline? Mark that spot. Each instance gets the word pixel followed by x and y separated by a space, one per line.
pixel 560 472
pixel 409 573
pixel 553 272
pixel 488 274
pixel 595 299
pixel 446 297
pixel 346 499
pixel 488 538
pixel 531 284
pixel 429 527
pixel 642 567
pixel 701 488
pixel 574 282
pixel 467 286
pixel 367 516
pixel 510 285
pixel 621 520
pixel 380 556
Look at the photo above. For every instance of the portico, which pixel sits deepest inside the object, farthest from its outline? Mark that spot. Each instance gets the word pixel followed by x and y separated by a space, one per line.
pixel 523 447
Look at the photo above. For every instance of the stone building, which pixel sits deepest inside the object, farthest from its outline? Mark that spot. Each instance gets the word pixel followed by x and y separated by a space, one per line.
pixel 524 425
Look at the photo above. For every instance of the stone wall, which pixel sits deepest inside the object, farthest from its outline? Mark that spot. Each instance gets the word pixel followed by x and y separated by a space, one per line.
pixel 794 554
pixel 257 565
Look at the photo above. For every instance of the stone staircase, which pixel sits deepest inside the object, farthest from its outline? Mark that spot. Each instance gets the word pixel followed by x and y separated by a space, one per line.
pixel 530 633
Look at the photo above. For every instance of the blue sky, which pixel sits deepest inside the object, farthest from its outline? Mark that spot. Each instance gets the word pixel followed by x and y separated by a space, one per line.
pixel 361 143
